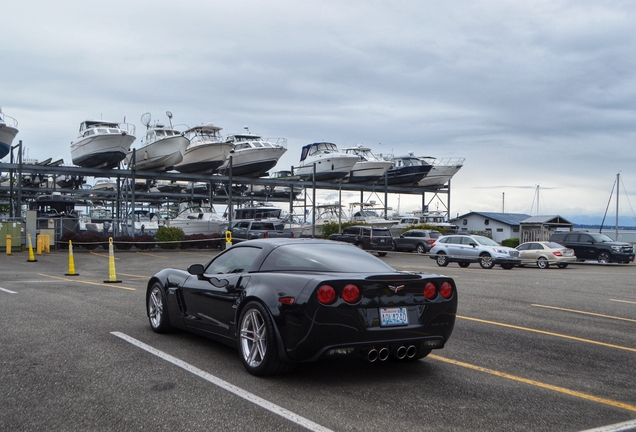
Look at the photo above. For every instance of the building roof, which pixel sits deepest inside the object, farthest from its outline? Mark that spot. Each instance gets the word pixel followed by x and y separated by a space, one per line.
pixel 506 218
pixel 547 219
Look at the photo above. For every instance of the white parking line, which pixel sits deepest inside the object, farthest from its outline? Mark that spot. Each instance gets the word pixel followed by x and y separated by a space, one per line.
pixel 226 385
pixel 7 291
pixel 618 427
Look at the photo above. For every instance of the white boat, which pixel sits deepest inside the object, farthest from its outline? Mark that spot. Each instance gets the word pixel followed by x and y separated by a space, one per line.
pixel 402 223
pixel 195 218
pixel 366 213
pixel 369 168
pixel 104 184
pixel 407 170
pixel 8 131
pixel 326 214
pixel 163 147
pixel 329 162
pixel 441 172
pixel 206 152
pixel 102 144
pixel 279 192
pixel 251 155
pixel 269 213
pixel 143 222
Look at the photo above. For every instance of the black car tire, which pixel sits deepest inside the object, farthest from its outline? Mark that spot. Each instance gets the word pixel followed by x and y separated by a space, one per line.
pixel 507 266
pixel 157 309
pixel 442 259
pixel 257 342
pixel 420 249
pixel 464 264
pixel 543 263
pixel 603 258
pixel 381 253
pixel 485 261
pixel 562 265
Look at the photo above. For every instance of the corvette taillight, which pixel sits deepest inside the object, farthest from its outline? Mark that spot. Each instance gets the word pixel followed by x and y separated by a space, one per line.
pixel 430 290
pixel 446 290
pixel 351 293
pixel 326 294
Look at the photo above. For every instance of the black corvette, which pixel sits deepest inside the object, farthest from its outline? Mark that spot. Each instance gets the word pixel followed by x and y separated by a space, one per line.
pixel 284 301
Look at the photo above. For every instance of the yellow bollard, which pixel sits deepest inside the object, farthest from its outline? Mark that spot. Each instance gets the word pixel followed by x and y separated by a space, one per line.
pixel 31 257
pixel 112 276
pixel 228 239
pixel 47 243
pixel 38 244
pixel 8 244
pixel 71 261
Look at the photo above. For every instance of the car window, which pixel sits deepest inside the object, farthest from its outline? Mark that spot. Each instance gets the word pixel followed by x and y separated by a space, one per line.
pixel 435 234
pixel 537 246
pixel 524 246
pixel 366 232
pixel 552 245
pixel 380 232
pixel 334 257
pixel 468 241
pixel 350 230
pixel 585 238
pixel 235 260
pixel 445 240
pixel 485 241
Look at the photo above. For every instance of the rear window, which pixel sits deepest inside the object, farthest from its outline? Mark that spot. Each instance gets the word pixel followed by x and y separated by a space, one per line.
pixel 381 232
pixel 324 257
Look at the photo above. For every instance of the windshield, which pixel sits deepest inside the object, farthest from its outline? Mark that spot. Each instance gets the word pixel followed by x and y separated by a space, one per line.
pixel 323 257
pixel 601 238
pixel 485 241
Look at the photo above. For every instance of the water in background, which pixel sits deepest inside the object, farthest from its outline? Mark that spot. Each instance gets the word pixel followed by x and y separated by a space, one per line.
pixel 628 236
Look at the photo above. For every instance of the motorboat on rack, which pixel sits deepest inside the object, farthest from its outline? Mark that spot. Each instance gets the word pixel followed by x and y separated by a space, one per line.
pixel 442 170
pixel 366 213
pixel 163 147
pixel 369 168
pixel 198 218
pixel 8 131
pixel 102 144
pixel 252 156
pixel 206 152
pixel 407 170
pixel 331 165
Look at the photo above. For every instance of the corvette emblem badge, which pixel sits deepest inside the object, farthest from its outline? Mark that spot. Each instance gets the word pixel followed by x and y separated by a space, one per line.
pixel 396 288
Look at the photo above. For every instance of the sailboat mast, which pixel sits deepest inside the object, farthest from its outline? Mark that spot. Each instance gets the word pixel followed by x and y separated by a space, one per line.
pixel 618 187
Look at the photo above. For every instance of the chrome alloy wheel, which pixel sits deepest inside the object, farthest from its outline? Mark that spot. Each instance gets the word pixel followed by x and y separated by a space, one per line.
pixel 155 307
pixel 253 338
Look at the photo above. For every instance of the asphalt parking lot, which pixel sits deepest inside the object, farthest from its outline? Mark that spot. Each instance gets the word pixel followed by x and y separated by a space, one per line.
pixel 532 350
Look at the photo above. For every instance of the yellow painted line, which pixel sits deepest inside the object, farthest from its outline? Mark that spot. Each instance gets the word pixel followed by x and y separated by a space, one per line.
pixel 89 283
pixel 151 255
pixel 549 333
pixel 584 313
pixel 135 276
pixel 623 301
pixel 102 255
pixel 537 383
pixel 193 253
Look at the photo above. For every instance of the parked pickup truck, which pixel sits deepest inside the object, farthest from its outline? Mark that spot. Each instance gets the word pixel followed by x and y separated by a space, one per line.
pixel 250 230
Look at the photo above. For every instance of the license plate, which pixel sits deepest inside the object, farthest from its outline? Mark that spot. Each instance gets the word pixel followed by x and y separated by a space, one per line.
pixel 393 317
pixel 382 241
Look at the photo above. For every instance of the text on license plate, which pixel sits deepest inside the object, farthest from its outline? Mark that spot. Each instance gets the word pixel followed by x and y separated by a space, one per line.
pixel 393 316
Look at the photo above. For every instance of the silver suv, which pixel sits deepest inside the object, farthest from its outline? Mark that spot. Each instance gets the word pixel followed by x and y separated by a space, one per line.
pixel 466 249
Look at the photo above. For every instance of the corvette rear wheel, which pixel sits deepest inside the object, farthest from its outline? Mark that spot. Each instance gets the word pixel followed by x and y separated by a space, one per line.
pixel 257 342
pixel 156 307
pixel 485 261
pixel 441 259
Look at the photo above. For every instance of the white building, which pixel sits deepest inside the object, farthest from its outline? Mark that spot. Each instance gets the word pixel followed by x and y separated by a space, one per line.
pixel 500 226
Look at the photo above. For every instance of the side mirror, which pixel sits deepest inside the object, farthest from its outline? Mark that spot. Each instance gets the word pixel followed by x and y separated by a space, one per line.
pixel 196 269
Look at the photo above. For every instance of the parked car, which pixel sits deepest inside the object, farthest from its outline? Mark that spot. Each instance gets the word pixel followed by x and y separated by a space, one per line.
pixel 595 246
pixel 417 240
pixel 545 254
pixel 466 249
pixel 285 301
pixel 366 237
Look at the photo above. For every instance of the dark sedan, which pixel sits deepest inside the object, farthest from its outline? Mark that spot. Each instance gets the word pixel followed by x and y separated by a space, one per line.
pixel 284 301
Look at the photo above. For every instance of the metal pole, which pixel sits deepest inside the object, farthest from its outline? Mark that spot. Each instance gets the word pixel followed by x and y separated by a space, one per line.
pixel 313 203
pixel 618 187
pixel 230 207
pixel 19 203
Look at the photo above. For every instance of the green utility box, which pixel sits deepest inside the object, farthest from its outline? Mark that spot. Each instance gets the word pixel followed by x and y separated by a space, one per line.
pixel 14 229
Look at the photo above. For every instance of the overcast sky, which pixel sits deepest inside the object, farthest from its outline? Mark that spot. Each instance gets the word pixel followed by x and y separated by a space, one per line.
pixel 530 93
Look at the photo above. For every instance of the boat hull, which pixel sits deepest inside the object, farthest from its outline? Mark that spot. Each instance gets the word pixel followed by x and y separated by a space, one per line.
pixel 7 134
pixel 329 168
pixel 368 171
pixel 199 226
pixel 101 151
pixel 161 155
pixel 439 175
pixel 407 175
pixel 204 158
pixel 253 162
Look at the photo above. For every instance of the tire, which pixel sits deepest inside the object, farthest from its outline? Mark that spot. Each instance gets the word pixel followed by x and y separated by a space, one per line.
pixel 507 266
pixel 543 263
pixel 562 265
pixel 381 253
pixel 257 342
pixel 359 245
pixel 420 249
pixel 395 248
pixel 485 261
pixel 603 258
pixel 464 264
pixel 157 309
pixel 442 259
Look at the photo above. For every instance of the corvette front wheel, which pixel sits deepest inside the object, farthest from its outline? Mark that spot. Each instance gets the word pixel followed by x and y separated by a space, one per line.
pixel 257 342
pixel 157 309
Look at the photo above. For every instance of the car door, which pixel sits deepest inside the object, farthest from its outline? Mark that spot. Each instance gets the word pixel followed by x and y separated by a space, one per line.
pixel 210 299
pixel 587 247
pixel 525 253
pixel 469 248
